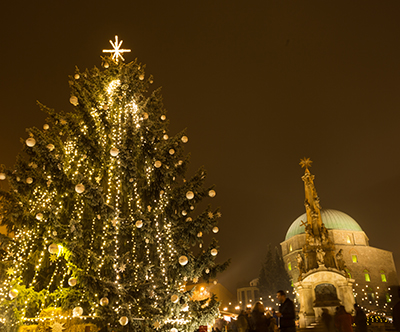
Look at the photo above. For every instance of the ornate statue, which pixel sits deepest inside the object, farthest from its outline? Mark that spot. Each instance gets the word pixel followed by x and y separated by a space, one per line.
pixel 309 235
pixel 300 263
pixel 324 234
pixel 339 260
pixel 320 257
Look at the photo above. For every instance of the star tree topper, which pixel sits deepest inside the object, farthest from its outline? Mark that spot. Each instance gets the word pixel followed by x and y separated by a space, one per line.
pixel 117 50
pixel 305 163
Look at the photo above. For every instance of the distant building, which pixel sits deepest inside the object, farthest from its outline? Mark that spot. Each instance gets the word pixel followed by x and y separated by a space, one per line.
pixel 327 250
pixel 247 296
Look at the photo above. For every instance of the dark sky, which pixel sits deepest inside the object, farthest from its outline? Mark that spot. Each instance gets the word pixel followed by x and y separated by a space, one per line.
pixel 258 84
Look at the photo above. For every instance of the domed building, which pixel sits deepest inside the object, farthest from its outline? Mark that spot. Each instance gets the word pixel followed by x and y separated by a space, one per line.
pixel 328 256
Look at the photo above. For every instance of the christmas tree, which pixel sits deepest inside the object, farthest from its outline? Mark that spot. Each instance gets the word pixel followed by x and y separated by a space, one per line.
pixel 106 231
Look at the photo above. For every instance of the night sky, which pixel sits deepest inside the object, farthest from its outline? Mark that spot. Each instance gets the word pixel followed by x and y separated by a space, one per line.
pixel 258 85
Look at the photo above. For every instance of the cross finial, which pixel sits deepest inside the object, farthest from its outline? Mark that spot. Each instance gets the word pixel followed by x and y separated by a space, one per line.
pixel 117 50
pixel 305 163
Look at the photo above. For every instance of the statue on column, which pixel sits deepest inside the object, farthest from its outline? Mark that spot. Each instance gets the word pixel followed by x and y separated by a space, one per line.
pixel 320 256
pixel 300 264
pixel 340 261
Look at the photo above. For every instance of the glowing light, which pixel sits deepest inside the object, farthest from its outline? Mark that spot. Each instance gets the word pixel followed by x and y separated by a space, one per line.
pixel 116 50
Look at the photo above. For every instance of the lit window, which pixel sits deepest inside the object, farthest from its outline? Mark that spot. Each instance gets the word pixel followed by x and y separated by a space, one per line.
pixel 383 276
pixel 348 273
pixel 291 283
pixel 348 239
pixel 290 248
pixel 388 299
pixel 289 265
pixel 354 258
pixel 367 277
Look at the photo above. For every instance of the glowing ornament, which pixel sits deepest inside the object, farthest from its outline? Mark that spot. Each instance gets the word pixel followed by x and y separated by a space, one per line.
pixel 174 329
pixel 72 281
pixel 53 248
pixel 39 216
pixel 184 213
pixel 185 307
pixel 212 193
pixel 174 298
pixel 29 180
pixel 183 260
pixel 157 164
pixel 188 219
pixel 2 176
pixel 13 293
pixel 163 117
pixel 171 151
pixel 141 77
pixel 215 229
pixel 73 100
pixel 184 139
pixel 215 282
pixel 147 240
pixel 50 147
pixel 207 271
pixel 114 152
pixel 190 195
pixel 214 252
pixel 114 222
pixel 46 126
pixel 195 279
pixel 145 116
pixel 54 233
pixel 106 65
pixel 123 320
pixel 165 137
pixel 30 142
pixel 131 180
pixel 116 50
pixel 76 76
pixel 192 207
pixel 104 301
pixel 78 311
pixel 80 188
pixel 139 224
pixel 199 234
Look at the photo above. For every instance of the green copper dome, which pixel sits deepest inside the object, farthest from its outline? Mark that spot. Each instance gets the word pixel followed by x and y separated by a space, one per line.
pixel 332 219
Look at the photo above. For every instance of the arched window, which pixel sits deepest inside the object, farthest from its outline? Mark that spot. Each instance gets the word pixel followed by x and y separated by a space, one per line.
pixel 366 275
pixel 348 273
pixel 289 266
pixel 354 258
pixel 348 239
pixel 290 247
pixel 383 276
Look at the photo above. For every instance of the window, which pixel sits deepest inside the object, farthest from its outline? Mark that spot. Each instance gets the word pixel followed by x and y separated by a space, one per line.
pixel 290 248
pixel 348 273
pixel 383 276
pixel 354 258
pixel 348 239
pixel 367 277
pixel 388 299
pixel 291 283
pixel 289 266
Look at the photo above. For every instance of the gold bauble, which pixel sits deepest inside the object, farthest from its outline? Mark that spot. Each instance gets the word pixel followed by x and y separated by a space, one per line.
pixel 46 126
pixel 2 176
pixel 39 216
pixel 214 252
pixel 114 152
pixel 80 188
pixel 29 180
pixel 73 100
pixel 123 320
pixel 183 260
pixel 13 293
pixel 139 224
pixel 30 142
pixel 53 248
pixel 212 193
pixel 215 229
pixel 163 117
pixel 72 281
pixel 50 147
pixel 77 76
pixel 174 298
pixel 184 139
pixel 190 195
pixel 157 164
pixel 171 151
pixel 78 311
pixel 104 301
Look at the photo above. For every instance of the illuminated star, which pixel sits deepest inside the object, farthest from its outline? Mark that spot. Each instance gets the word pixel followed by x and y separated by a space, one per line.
pixel 122 267
pixel 156 325
pixel 57 327
pixel 53 258
pixel 10 271
pixel 117 51
pixel 305 163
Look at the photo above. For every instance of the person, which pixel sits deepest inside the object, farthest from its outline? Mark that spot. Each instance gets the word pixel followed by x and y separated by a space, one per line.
pixel 242 323
pixel 343 320
pixel 327 321
pixel 360 319
pixel 259 322
pixel 273 311
pixel 286 313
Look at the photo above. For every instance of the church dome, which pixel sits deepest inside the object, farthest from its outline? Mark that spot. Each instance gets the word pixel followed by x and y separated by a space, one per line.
pixel 332 219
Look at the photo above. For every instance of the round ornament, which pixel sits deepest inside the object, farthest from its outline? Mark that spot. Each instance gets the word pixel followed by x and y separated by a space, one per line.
pixel 80 188
pixel 183 260
pixel 2 176
pixel 174 298
pixel 190 195
pixel 165 137
pixel 30 142
pixel 39 216
pixel 171 151
pixel 195 279
pixel 114 152
pixel 53 248
pixel 46 126
pixel 157 164
pixel 188 219
pixel 13 293
pixel 207 271
pixel 184 213
pixel 72 281
pixel 174 329
pixel 50 147
pixel 29 180
pixel 106 65
pixel 215 229
pixel 212 193
pixel 139 224
pixel 73 100
pixel 145 116
pixel 163 117
pixel 104 301
pixel 184 139
pixel 54 233
pixel 141 77
pixel 123 320
pixel 78 311
pixel 192 207
pixel 147 240
pixel 199 234
pixel 215 282
pixel 214 252
pixel 131 180
pixel 76 76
